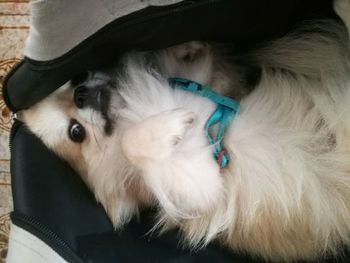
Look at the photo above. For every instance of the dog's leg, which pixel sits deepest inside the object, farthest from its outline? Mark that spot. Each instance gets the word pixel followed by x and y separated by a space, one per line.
pixel 156 137
pixel 342 8
pixel 185 179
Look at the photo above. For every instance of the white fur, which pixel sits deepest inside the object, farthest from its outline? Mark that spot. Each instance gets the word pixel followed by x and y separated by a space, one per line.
pixel 156 117
pixel 286 192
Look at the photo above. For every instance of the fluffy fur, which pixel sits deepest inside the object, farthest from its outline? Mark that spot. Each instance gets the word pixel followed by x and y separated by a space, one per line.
pixel 286 192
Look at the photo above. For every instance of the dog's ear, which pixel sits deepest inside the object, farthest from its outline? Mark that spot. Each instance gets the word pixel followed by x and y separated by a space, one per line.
pixel 190 51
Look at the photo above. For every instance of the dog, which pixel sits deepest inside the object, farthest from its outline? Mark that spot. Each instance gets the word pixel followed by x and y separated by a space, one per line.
pixel 137 142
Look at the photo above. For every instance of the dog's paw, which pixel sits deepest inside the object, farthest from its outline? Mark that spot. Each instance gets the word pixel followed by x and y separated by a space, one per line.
pixel 166 130
pixel 174 124
pixel 157 136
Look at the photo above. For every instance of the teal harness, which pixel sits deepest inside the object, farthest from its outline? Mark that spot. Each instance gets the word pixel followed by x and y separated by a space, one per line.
pixel 224 113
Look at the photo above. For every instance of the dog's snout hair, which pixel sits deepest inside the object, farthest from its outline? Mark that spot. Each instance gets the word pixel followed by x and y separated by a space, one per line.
pixel 87 97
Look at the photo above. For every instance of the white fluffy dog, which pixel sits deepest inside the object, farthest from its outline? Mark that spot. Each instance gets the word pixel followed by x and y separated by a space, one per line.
pixel 137 142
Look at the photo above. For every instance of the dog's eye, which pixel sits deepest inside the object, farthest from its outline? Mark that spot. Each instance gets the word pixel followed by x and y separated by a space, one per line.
pixel 76 131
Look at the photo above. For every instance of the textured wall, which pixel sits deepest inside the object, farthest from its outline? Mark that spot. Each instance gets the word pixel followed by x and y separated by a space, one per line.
pixel 14 21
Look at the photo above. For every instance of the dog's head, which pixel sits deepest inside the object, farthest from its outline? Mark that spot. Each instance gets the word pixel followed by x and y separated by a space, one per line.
pixel 76 121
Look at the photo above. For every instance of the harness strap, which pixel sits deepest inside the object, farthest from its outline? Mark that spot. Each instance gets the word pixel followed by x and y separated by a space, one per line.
pixel 224 113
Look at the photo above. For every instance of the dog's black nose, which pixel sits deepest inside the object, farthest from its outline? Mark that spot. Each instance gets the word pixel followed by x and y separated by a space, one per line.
pixel 81 95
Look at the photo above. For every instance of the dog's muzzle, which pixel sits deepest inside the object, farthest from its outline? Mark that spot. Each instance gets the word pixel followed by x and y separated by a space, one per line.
pixel 95 94
pixel 87 97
